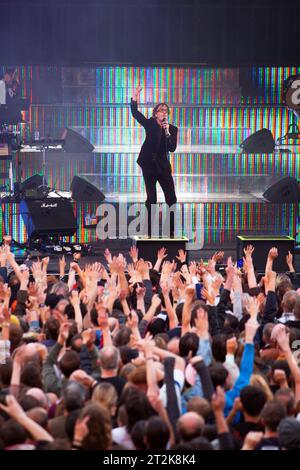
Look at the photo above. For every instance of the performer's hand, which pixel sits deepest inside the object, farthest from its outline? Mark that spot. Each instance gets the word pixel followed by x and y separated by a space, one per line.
pixel 136 93
pixel 165 124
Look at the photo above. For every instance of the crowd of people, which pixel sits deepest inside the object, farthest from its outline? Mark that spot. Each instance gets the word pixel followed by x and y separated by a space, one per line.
pixel 127 355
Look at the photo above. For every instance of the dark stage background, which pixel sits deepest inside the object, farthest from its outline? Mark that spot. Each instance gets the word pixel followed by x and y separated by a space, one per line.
pixel 210 32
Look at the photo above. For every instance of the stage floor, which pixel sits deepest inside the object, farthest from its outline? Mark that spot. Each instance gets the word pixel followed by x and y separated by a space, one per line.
pixel 189 188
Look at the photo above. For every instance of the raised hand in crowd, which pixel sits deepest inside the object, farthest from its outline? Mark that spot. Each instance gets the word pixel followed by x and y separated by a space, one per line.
pixel 81 431
pixel 134 254
pixel 272 255
pixel 193 268
pixel 248 251
pixel 270 281
pixel 63 333
pixel 181 256
pixel 161 255
pixel 209 295
pixel 201 324
pixel 253 307
pixel 289 262
pixel 62 266
pixel 218 256
pixel 107 256
pixel 143 268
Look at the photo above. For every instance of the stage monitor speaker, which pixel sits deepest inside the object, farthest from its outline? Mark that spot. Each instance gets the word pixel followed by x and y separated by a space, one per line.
pixel 75 143
pixel 284 191
pixel 148 247
pixel 32 183
pixel 82 190
pixel 52 216
pixel 262 244
pixel 260 142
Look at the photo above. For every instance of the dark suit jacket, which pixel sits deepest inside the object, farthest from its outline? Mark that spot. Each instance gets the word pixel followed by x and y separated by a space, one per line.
pixel 156 146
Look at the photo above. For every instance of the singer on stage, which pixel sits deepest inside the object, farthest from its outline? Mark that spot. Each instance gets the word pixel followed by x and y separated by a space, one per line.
pixel 161 138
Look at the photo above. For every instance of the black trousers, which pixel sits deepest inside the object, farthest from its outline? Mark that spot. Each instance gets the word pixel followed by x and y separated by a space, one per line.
pixel 152 176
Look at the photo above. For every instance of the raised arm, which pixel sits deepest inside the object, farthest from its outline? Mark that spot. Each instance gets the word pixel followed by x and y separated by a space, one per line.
pixel 272 255
pixel 141 119
pixel 282 339
pixel 162 354
pixel 153 389
pixel 16 412
pixel 75 302
pixel 248 266
pixel 218 404
pixel 103 323
pixel 187 309
pixel 246 368
pixel 173 320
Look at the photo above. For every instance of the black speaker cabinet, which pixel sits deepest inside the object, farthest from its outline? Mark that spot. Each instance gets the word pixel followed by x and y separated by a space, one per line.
pixel 148 247
pixel 82 190
pixel 262 245
pixel 285 190
pixel 75 143
pixel 260 142
pixel 52 216
pixel 32 183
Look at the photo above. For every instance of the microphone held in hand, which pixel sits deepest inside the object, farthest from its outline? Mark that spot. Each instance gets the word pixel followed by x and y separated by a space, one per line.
pixel 166 128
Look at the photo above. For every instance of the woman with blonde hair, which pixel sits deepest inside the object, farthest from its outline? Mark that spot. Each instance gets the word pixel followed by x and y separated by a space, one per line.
pixel 106 395
pixel 259 381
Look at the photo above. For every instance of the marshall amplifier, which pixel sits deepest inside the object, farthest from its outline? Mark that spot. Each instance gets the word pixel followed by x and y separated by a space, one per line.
pixel 48 217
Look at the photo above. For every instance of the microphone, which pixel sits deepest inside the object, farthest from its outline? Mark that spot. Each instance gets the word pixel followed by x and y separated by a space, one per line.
pixel 165 129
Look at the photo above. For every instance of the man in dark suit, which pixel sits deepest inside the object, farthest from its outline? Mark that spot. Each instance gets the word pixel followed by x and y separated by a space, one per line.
pixel 161 138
